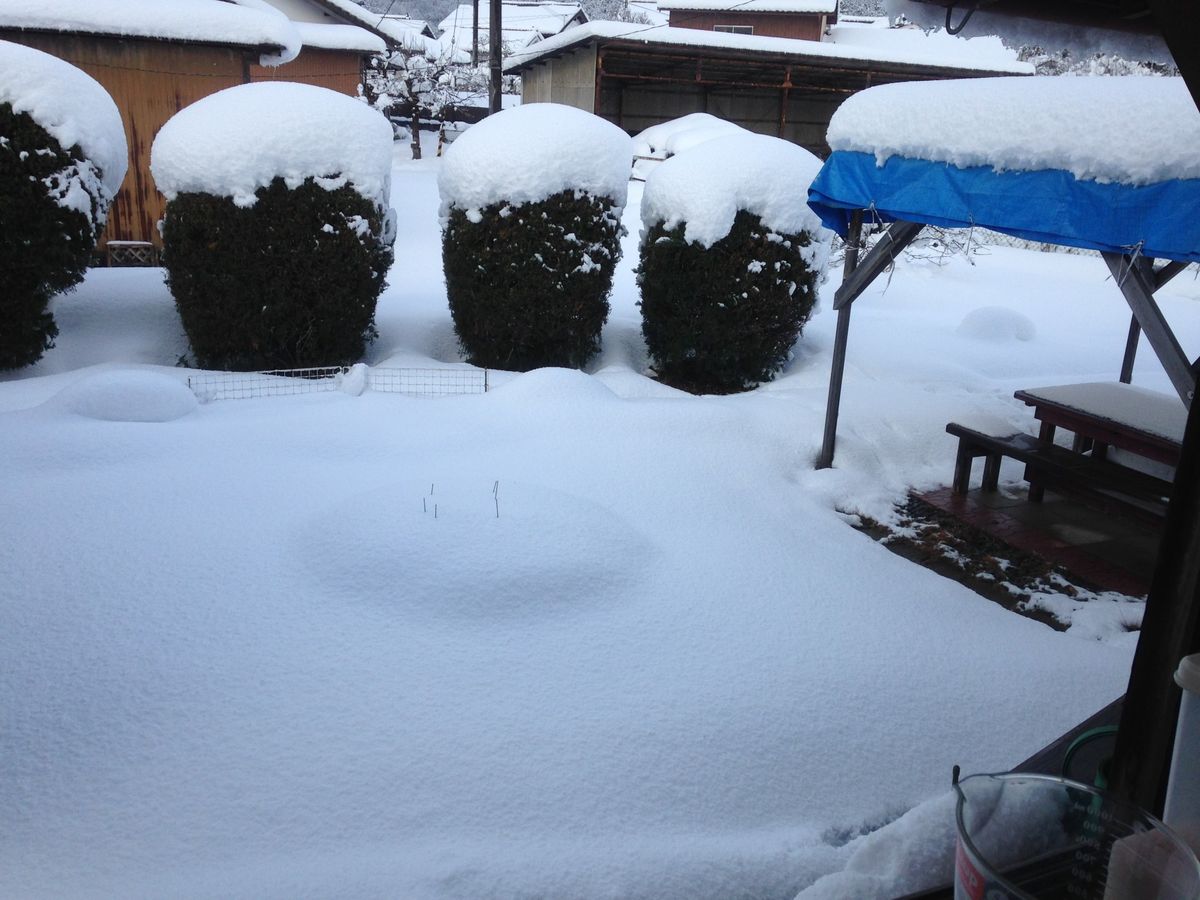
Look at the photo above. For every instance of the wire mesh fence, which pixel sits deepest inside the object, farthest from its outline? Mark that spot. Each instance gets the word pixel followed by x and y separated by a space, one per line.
pixel 209 386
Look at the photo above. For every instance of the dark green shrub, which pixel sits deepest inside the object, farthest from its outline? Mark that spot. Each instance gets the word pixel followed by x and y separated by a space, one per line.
pixel 44 246
pixel 528 285
pixel 723 318
pixel 290 282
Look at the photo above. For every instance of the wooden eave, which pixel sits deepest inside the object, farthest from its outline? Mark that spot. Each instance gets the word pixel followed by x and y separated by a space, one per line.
pixel 748 66
pixel 260 49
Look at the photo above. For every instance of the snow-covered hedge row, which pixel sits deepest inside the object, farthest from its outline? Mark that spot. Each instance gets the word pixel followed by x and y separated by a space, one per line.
pixel 730 260
pixel 62 158
pixel 277 235
pixel 531 217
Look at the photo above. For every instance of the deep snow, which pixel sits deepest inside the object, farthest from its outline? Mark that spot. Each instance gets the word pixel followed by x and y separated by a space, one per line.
pixel 242 658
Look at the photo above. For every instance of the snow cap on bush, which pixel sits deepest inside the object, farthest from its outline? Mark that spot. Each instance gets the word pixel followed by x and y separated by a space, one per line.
pixel 704 187
pixel 233 142
pixel 71 106
pixel 532 152
pixel 669 138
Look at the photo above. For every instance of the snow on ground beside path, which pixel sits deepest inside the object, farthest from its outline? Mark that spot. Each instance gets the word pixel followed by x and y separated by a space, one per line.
pixel 242 658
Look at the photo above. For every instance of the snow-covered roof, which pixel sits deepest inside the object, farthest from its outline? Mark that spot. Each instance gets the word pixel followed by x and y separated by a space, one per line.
pixel 69 104
pixel 235 141
pixel 521 23
pixel 534 151
pixel 895 46
pixel 648 9
pixel 1077 124
pixel 781 6
pixel 201 21
pixel 339 37
pixel 385 26
pixel 405 25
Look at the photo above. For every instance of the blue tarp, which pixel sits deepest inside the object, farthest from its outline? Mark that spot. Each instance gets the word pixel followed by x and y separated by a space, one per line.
pixel 1159 220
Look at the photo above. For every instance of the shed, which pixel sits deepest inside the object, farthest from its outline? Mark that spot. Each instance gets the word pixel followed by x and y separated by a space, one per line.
pixel 1052 159
pixel 637 76
pixel 156 58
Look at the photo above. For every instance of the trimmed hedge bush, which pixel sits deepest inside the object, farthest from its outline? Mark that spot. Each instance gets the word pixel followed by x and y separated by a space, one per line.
pixel 290 282
pixel 723 318
pixel 44 246
pixel 528 284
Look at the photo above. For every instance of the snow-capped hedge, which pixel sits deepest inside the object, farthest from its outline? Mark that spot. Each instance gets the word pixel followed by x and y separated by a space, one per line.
pixel 531 215
pixel 62 159
pixel 233 142
pixel 730 260
pixel 277 235
pixel 532 152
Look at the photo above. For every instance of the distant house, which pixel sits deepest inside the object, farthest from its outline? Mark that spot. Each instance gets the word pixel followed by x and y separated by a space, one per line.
pixel 801 19
pixel 157 57
pixel 637 75
pixel 522 24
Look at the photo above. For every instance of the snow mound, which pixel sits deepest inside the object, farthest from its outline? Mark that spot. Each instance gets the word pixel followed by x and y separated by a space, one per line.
pixel 706 186
pixel 233 142
pixel 483 551
pixel 553 383
pixel 692 130
pixel 128 395
pixel 528 153
pixel 997 323
pixel 70 105
pixel 1079 125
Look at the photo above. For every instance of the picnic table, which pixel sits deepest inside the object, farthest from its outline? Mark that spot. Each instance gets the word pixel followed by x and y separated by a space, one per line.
pixel 1111 414
pixel 1100 415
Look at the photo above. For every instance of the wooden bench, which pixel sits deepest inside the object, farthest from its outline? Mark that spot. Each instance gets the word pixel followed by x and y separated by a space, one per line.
pixel 1102 483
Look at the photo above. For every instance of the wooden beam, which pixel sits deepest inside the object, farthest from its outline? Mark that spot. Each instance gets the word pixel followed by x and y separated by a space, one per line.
pixel 1135 278
pixel 1163 274
pixel 837 367
pixel 1131 345
pixel 898 236
pixel 1170 631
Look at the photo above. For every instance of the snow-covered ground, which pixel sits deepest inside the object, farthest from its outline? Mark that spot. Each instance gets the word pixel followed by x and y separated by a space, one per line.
pixel 241 657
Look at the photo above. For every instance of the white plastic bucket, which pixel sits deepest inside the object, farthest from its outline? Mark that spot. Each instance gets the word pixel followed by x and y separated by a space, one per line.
pixel 1182 808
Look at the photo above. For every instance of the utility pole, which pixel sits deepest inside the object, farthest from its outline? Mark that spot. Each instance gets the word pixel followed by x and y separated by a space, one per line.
pixel 474 32
pixel 494 26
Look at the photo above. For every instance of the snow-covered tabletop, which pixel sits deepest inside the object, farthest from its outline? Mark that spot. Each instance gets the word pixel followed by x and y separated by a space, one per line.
pixel 1130 407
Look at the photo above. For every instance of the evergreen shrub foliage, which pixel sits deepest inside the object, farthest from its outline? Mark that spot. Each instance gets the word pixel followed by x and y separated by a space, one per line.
pixel 44 246
pixel 290 282
pixel 723 318
pixel 528 284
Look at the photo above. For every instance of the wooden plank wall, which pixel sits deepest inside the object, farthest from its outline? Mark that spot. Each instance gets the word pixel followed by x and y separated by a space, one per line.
pixel 338 70
pixel 150 81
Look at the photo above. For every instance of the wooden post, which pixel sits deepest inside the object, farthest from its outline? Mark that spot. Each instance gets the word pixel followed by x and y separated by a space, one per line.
pixel 494 29
pixel 837 368
pixel 1170 631
pixel 1131 345
pixel 1136 278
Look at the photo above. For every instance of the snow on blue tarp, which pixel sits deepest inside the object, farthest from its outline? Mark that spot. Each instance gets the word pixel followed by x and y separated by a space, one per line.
pixel 1160 220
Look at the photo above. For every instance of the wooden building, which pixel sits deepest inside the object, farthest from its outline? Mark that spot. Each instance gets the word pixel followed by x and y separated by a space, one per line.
pixel 804 20
pixel 638 76
pixel 157 58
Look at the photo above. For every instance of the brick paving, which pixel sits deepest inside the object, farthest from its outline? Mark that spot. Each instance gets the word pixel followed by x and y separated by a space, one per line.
pixel 1099 550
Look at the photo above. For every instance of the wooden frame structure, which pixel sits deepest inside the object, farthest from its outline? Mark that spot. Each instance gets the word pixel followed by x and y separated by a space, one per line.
pixel 1171 626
